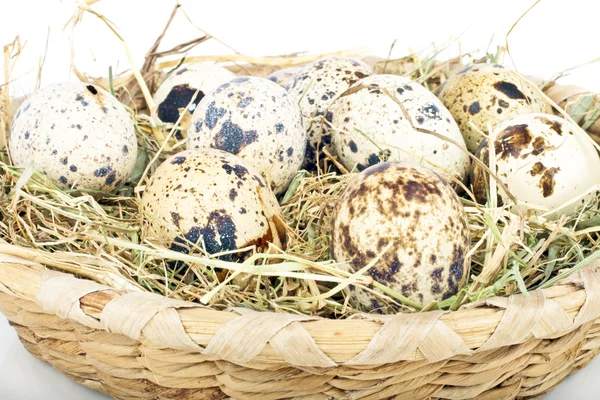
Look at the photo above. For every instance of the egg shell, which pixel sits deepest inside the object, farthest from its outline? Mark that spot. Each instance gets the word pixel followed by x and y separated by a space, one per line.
pixel 178 91
pixel 283 76
pixel 378 119
pixel 420 215
pixel 253 118
pixel 314 89
pixel 211 199
pixel 77 135
pixel 544 161
pixel 486 95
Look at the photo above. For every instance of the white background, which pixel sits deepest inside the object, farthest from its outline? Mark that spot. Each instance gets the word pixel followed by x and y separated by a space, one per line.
pixel 556 35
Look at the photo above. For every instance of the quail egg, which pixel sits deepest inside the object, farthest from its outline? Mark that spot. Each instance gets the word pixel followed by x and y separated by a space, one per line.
pixel 386 117
pixel 413 210
pixel 78 135
pixel 185 87
pixel 543 161
pixel 283 76
pixel 314 89
pixel 210 200
pixel 488 94
pixel 255 119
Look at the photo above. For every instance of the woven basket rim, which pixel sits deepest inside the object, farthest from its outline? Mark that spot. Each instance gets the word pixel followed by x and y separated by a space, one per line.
pixel 366 340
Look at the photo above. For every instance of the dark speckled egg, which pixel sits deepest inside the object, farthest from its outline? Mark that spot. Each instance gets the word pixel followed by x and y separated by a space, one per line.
pixel 418 214
pixel 253 118
pixel 484 95
pixel 78 136
pixel 210 200
pixel 378 119
pixel 314 89
pixel 545 161
pixel 185 87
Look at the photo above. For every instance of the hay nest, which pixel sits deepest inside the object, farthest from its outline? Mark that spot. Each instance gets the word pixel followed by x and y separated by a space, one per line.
pixel 102 240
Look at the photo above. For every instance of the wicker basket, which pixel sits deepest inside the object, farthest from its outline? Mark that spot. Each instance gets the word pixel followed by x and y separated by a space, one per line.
pixel 135 345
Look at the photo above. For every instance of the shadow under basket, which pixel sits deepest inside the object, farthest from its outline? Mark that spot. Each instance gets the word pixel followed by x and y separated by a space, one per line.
pixel 134 345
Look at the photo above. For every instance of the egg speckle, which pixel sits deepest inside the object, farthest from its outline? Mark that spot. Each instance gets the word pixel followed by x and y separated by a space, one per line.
pixel 314 89
pixel 415 211
pixel 380 118
pixel 186 87
pixel 75 135
pixel 254 119
pixel 488 94
pixel 544 162
pixel 209 200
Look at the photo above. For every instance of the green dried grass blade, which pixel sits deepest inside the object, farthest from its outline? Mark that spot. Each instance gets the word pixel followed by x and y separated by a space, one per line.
pixel 549 267
pixel 579 110
pixel 293 187
pixel 519 279
pixel 140 165
pixel 110 81
pixel 591 120
pixel 583 263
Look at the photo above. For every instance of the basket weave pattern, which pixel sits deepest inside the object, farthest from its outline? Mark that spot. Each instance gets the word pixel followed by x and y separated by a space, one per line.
pixel 135 345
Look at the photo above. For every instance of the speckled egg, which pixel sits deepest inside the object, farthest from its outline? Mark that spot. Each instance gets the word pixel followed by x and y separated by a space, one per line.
pixel 418 214
pixel 255 119
pixel 314 89
pixel 178 90
pixel 283 76
pixel 212 200
pixel 378 119
pixel 488 94
pixel 543 160
pixel 78 135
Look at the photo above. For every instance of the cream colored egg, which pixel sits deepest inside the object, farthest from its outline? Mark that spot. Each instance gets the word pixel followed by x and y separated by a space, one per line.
pixel 185 87
pixel 212 200
pixel 283 76
pixel 253 118
pixel 78 135
pixel 387 117
pixel 416 212
pixel 544 161
pixel 314 89
pixel 485 95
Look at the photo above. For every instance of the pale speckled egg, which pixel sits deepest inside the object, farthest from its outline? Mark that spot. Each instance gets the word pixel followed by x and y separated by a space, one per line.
pixel 78 135
pixel 378 119
pixel 178 91
pixel 488 94
pixel 314 89
pixel 419 214
pixel 283 76
pixel 253 118
pixel 212 200
pixel 543 160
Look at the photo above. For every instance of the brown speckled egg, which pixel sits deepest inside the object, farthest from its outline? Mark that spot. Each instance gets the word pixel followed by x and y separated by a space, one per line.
pixel 79 136
pixel 253 118
pixel 488 94
pixel 379 118
pixel 314 89
pixel 177 91
pixel 212 200
pixel 420 215
pixel 283 76
pixel 543 160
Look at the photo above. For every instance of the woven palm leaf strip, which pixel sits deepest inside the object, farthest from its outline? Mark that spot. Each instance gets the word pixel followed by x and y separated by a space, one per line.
pixel 135 345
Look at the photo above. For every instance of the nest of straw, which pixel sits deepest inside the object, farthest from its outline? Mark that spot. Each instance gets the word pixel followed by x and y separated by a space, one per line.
pixel 102 239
